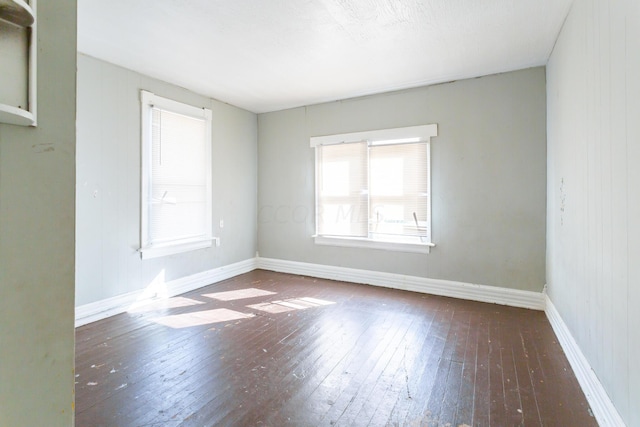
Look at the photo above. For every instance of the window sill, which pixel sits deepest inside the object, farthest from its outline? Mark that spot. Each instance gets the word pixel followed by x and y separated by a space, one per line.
pixel 422 248
pixel 174 248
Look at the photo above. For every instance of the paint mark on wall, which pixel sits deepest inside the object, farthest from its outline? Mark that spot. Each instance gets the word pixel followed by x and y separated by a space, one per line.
pixel 43 148
pixel 563 198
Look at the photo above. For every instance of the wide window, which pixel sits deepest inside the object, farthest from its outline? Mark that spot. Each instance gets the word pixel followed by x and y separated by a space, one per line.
pixel 176 177
pixel 373 189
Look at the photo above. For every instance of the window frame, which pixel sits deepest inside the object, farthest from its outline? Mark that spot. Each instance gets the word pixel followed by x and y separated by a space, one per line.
pixel 148 249
pixel 411 134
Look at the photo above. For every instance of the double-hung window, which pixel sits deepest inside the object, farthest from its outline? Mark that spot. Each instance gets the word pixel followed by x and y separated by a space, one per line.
pixel 176 177
pixel 373 189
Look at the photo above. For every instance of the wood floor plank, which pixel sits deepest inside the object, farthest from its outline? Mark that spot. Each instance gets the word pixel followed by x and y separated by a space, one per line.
pixel 274 349
pixel 412 350
pixel 496 375
pixel 482 396
pixel 270 364
pixel 451 399
pixel 418 409
pixel 441 405
pixel 466 399
pixel 371 387
pixel 413 387
pixel 522 364
pixel 346 377
pixel 512 403
pixel 288 371
pixel 557 404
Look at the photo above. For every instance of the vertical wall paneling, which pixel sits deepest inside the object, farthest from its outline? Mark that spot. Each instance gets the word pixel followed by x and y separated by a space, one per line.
pixel 631 107
pixel 619 309
pixel 593 211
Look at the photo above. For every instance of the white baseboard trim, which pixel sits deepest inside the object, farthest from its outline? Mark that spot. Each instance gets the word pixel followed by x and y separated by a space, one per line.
pixel 448 288
pixel 606 414
pixel 102 309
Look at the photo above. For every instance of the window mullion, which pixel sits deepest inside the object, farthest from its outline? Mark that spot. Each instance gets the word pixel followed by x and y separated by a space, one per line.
pixel 368 190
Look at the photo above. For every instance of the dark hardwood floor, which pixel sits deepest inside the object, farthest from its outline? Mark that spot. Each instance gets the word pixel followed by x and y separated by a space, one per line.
pixel 272 349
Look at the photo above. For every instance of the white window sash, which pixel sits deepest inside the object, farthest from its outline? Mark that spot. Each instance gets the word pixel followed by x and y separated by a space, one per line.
pixel 151 247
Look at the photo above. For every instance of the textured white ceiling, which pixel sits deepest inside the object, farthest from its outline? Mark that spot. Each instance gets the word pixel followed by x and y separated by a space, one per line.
pixel 268 55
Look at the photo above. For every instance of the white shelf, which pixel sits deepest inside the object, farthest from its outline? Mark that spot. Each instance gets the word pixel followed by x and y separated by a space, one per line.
pixel 16 116
pixel 18 47
pixel 17 12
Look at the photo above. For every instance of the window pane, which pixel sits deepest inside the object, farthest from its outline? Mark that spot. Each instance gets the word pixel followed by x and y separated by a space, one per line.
pixel 178 204
pixel 342 190
pixel 387 176
pixel 334 176
pixel 398 186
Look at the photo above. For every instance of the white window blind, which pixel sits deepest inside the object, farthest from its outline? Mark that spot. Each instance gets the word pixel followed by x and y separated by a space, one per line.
pixel 176 184
pixel 374 186
pixel 178 178
pixel 399 197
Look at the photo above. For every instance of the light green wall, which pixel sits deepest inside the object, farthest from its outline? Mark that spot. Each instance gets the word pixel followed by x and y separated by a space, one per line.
pixel 37 211
pixel 108 179
pixel 488 179
pixel 593 239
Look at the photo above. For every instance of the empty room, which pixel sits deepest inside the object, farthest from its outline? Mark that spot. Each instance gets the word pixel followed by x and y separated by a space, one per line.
pixel 315 213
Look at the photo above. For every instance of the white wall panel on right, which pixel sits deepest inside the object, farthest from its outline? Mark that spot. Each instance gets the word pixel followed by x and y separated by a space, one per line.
pixel 593 186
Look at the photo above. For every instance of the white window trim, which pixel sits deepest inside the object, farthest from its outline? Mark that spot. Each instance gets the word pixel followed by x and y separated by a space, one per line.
pixel 356 242
pixel 422 133
pixel 147 250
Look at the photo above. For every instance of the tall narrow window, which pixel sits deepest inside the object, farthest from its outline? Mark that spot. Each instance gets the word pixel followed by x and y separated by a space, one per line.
pixel 176 177
pixel 373 189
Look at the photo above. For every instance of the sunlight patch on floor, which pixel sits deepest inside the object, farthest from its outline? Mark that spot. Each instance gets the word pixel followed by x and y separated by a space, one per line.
pixel 161 304
pixel 289 305
pixel 239 294
pixel 198 318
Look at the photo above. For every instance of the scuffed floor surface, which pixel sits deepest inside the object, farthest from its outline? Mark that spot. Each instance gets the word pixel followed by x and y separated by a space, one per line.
pixel 273 349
